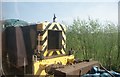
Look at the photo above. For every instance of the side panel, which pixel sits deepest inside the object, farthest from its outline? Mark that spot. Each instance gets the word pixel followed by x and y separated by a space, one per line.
pixel 0 47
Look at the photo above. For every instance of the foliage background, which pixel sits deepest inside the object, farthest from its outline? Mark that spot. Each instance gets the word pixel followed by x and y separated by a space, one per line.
pixel 91 39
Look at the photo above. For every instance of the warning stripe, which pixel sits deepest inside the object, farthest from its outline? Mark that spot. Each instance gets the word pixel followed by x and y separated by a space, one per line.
pixel 43 39
pixel 63 31
pixel 55 26
pixel 45 53
pixel 54 53
pixel 50 53
pixel 64 35
pixel 63 39
pixel 58 52
pixel 50 25
pixel 62 28
pixel 63 42
pixel 42 32
pixel 44 45
pixel 63 52
pixel 42 42
pixel 44 49
pixel 41 48
pixel 63 48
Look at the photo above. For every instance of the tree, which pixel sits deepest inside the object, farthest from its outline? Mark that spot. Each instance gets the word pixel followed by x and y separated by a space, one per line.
pixel 91 39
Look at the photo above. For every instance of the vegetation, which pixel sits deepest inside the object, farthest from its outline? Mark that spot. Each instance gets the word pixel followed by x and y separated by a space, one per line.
pixel 93 40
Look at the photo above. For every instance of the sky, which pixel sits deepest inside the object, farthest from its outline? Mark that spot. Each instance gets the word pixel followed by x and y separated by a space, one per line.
pixel 60 0
pixel 34 12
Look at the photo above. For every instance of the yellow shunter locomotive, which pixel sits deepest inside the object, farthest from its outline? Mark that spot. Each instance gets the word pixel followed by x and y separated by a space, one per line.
pixel 39 50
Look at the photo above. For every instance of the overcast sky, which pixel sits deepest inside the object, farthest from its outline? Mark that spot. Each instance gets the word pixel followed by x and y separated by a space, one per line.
pixel 65 11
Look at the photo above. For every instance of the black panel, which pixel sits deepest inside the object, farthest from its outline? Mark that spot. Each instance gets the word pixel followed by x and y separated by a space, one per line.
pixel 11 44
pixel 30 39
pixel 54 39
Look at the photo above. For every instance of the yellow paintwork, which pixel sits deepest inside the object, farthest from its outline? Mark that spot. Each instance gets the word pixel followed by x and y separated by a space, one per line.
pixel 39 66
